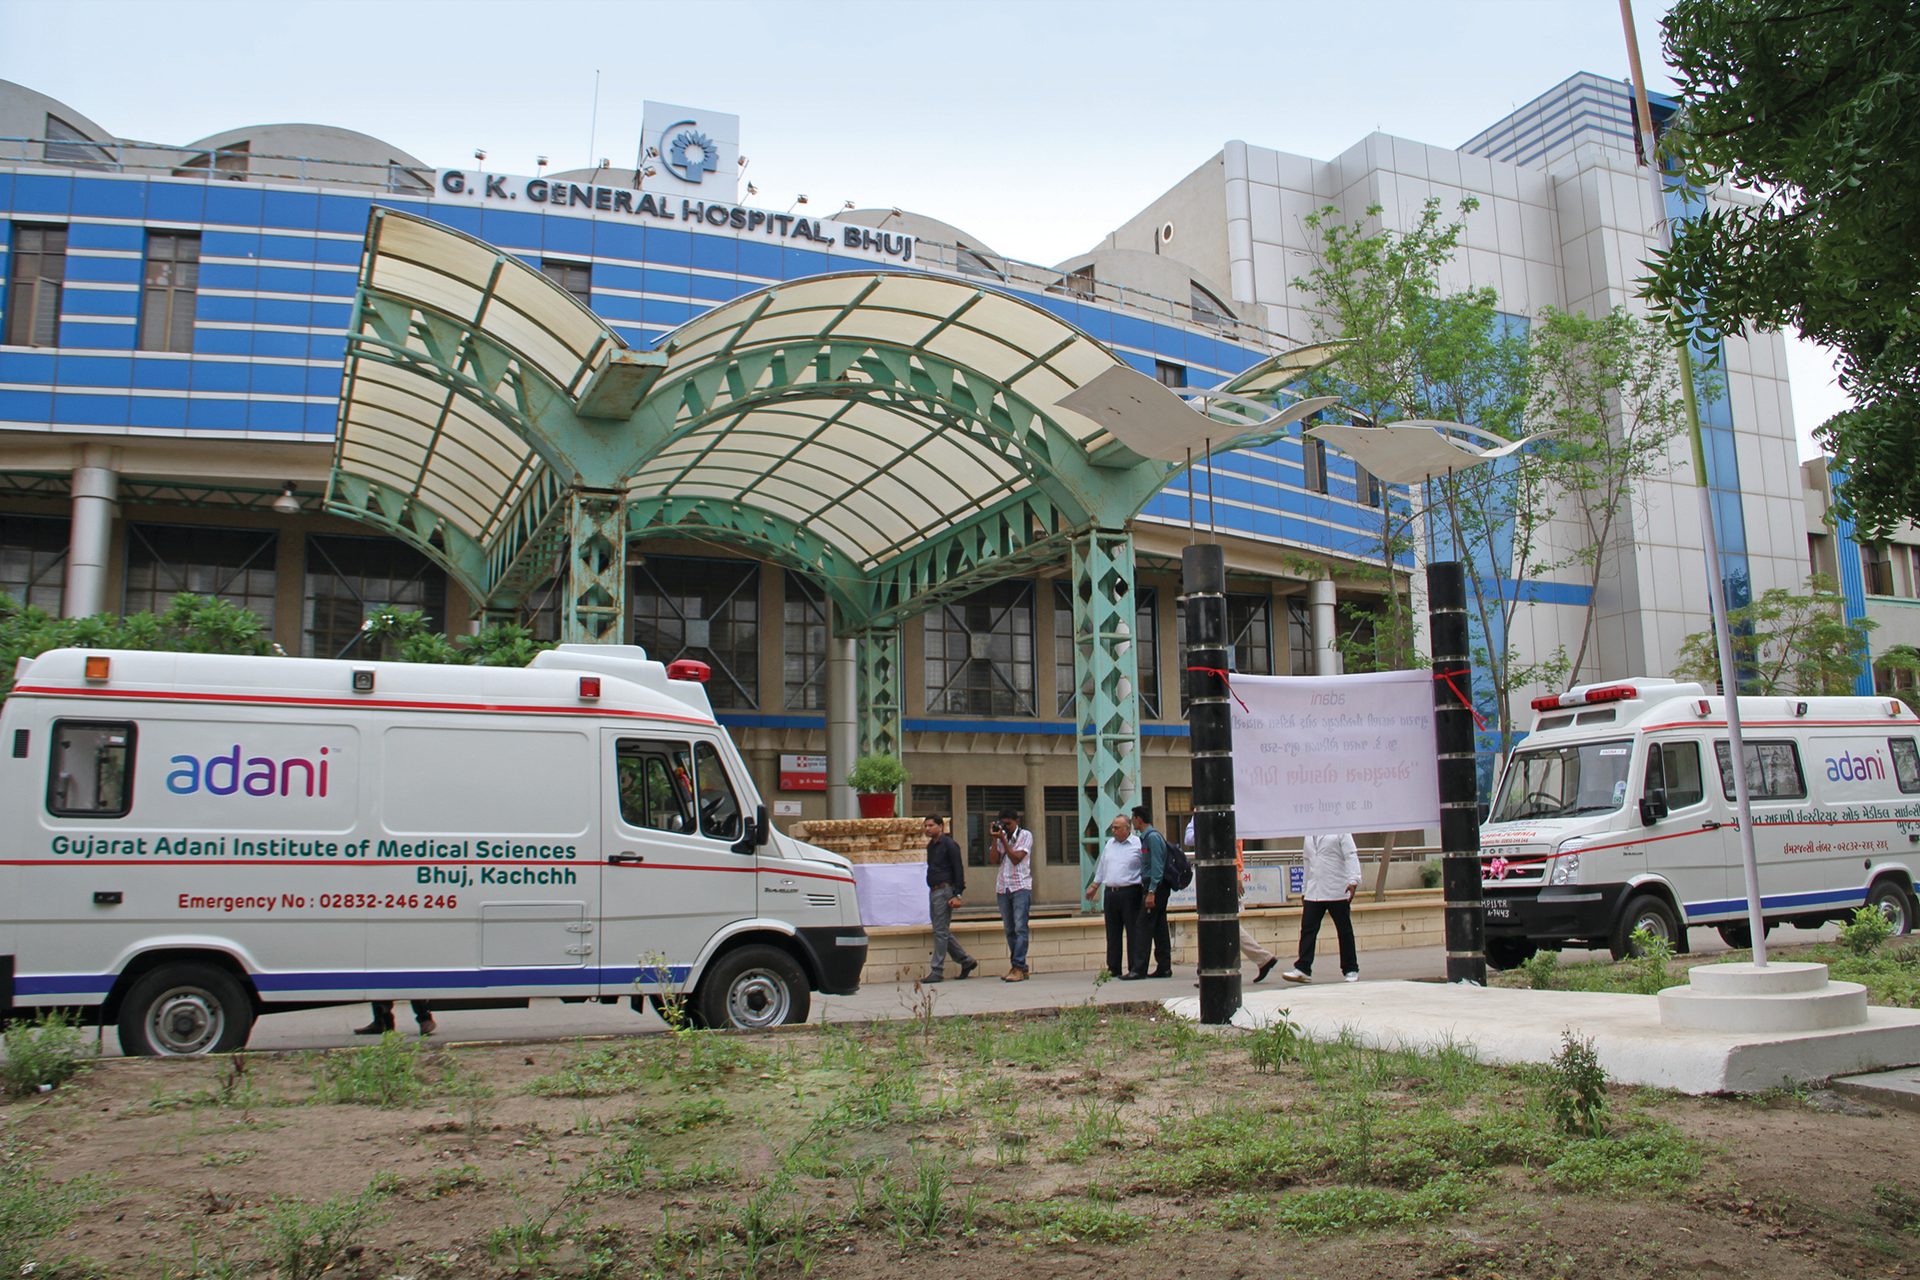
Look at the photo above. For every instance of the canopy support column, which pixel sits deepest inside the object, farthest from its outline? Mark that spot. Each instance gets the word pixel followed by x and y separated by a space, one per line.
pixel 596 604
pixel 879 651
pixel 842 717
pixel 1106 673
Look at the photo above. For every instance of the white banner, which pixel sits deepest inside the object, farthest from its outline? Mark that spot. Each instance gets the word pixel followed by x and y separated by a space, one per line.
pixel 1314 755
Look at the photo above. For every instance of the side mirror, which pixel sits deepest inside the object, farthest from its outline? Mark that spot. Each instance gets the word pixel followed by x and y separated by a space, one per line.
pixel 762 828
pixel 1653 806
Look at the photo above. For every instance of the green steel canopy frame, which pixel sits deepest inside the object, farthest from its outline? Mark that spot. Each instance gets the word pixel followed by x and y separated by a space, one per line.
pixel 900 439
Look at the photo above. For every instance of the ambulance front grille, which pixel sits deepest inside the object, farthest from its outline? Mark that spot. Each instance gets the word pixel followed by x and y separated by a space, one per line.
pixel 822 900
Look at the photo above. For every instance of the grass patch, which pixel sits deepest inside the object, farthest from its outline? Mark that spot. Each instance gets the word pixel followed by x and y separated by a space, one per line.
pixel 43 1054
pixel 303 1241
pixel 1075 1221
pixel 1652 1158
pixel 394 1071
pixel 34 1210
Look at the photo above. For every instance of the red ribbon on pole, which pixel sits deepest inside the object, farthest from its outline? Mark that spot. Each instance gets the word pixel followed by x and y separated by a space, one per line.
pixel 1222 673
pixel 1465 701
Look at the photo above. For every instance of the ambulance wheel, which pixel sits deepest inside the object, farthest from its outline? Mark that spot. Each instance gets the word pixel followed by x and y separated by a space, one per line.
pixel 1890 899
pixel 1644 912
pixel 689 1014
pixel 753 989
pixel 183 1011
pixel 1509 953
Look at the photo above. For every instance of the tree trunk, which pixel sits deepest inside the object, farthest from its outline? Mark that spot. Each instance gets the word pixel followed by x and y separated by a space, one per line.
pixel 1386 858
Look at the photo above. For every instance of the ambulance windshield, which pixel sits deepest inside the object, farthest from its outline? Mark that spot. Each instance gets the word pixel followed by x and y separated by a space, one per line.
pixel 1562 782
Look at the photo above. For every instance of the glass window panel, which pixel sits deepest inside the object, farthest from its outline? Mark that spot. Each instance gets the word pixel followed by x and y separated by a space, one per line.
pixel 235 565
pixel 1773 771
pixel 33 560
pixel 347 578
pixel 980 653
pixel 90 770
pixel 1146 631
pixel 803 646
pixel 688 607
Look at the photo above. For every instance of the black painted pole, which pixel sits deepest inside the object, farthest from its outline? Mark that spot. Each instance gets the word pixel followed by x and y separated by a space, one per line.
pixel 1203 584
pixel 1466 925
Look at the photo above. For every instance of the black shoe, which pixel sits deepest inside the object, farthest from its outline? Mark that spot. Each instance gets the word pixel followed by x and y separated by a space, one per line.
pixel 932 977
pixel 373 1029
pixel 967 967
pixel 1265 969
pixel 1132 977
pixel 1161 973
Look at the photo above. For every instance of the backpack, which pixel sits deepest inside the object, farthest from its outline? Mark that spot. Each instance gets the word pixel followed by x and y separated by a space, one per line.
pixel 1177 872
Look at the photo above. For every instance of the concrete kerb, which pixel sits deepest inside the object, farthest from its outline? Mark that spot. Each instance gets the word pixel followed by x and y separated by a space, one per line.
pixel 1511 1026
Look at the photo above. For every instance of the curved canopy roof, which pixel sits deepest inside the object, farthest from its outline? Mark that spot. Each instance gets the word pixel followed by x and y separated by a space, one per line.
pixel 900 437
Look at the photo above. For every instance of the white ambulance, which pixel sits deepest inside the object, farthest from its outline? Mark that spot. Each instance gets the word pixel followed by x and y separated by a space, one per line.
pixel 189 840
pixel 1617 812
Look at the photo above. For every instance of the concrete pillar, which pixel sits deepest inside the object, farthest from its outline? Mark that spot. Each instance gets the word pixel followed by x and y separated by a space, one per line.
pixel 1326 654
pixel 96 489
pixel 843 730
pixel 1034 818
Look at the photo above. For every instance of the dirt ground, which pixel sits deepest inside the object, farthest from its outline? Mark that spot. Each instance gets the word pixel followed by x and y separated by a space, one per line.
pixel 1091 1143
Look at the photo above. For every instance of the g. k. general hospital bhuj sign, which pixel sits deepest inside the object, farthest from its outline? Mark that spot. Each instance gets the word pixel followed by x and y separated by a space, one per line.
pixel 550 194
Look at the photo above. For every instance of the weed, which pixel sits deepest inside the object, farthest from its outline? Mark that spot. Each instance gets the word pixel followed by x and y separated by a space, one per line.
pixel 1071 1221
pixel 1095 1125
pixel 693 1113
pixel 1576 1089
pixel 43 1054
pixel 1650 956
pixel 34 1210
pixel 1657 1157
pixel 1325 1211
pixel 916 1206
pixel 225 1159
pixel 303 1241
pixel 1538 969
pixel 1863 935
pixel 446 1180
pixel 1900 1207
pixel 1274 1045
pixel 614 1069
pixel 536 1237
pixel 392 1072
pixel 701 1173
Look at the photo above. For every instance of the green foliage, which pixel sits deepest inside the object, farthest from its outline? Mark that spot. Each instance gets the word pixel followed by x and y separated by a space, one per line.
pixel 394 1071
pixel 399 636
pixel 34 1210
pixel 1326 1211
pixel 916 1206
pixel 303 1241
pixel 877 773
pixel 1863 934
pixel 1808 111
pixel 1576 1089
pixel 1538 969
pixel 1786 642
pixel 1648 962
pixel 191 624
pixel 48 1051
pixel 1891 974
pixel 1898 1206
pixel 1430 874
pixel 1653 1157
pixel 1077 1221
pixel 1273 1046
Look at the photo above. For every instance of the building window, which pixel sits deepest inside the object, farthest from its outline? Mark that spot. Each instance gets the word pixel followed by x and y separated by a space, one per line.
pixel 1208 309
pixel 1168 374
pixel 1908 558
pixel 803 646
pixel 1366 487
pixel 67 145
pixel 930 800
pixel 348 578
pixel 1876 568
pixel 1313 455
pixel 709 610
pixel 235 565
pixel 33 561
pixel 575 277
pixel 1062 830
pixel 984 805
pixel 166 299
pixel 1146 649
pixel 979 653
pixel 1299 637
pixel 33 285
pixel 1249 638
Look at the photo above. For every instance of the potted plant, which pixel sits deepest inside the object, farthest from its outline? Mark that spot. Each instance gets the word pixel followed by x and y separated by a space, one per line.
pixel 877 778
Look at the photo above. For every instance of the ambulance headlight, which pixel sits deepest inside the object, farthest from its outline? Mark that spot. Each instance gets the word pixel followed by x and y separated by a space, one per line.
pixel 1566 868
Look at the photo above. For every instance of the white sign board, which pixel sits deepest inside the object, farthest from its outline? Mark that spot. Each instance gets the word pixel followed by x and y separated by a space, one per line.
pixel 1320 754
pixel 693 152
pixel 1260 887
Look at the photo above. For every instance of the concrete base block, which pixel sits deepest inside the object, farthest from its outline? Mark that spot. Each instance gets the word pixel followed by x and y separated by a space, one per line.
pixel 1769 998
pixel 1510 1026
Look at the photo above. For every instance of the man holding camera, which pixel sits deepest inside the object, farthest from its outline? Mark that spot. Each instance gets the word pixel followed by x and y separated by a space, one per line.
pixel 1012 853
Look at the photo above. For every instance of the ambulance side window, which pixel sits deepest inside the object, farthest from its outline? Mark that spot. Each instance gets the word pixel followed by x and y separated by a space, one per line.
pixel 90 769
pixel 719 809
pixel 1680 762
pixel 1773 771
pixel 656 785
pixel 1906 764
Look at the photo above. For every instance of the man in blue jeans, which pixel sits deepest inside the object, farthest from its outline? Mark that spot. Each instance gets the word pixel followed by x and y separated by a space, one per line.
pixel 946 883
pixel 1012 853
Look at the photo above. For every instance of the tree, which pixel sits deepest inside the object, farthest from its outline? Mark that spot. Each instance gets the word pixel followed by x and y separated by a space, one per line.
pixel 1606 393
pixel 399 636
pixel 1813 111
pixel 1786 642
pixel 191 624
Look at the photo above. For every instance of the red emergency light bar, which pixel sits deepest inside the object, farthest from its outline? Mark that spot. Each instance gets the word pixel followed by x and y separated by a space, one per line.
pixel 689 669
pixel 1591 697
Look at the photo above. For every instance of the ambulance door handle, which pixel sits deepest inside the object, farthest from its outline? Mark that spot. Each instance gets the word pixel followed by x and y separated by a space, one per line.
pixel 626 859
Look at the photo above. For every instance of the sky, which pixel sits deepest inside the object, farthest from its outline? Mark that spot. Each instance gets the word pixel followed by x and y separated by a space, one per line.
pixel 1036 125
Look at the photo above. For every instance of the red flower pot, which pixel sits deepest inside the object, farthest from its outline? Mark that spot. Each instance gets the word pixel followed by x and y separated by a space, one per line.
pixel 876 804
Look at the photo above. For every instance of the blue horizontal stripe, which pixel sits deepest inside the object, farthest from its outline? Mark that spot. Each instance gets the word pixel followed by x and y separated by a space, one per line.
pixel 1781 901
pixel 99 984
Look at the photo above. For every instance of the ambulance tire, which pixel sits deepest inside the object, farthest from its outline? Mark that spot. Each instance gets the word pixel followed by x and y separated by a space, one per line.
pixel 689 1016
pixel 184 1011
pixel 1655 915
pixel 1509 953
pixel 1890 898
pixel 753 989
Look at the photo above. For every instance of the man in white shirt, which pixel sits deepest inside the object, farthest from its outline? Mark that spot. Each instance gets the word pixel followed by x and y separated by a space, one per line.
pixel 1118 874
pixel 1012 852
pixel 1332 875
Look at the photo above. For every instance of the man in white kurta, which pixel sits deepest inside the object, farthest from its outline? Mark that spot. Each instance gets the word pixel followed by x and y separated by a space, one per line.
pixel 1332 875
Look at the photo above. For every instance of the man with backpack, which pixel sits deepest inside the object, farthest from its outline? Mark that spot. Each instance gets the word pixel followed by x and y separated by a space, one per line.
pixel 1163 871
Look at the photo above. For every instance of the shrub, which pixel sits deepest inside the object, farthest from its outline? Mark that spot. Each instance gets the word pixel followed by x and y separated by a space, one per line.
pixel 1866 931
pixel 1430 874
pixel 47 1051
pixel 1274 1044
pixel 1651 956
pixel 1576 1091
pixel 1538 969
pixel 877 773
